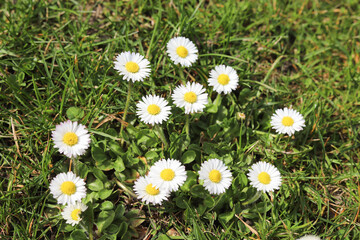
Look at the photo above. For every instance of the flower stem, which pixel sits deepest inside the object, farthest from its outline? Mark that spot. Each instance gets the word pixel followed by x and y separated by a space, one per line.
pixel 240 136
pixel 75 166
pixel 187 124
pixel 183 79
pixel 152 222
pixel 70 165
pixel 161 134
pixel 91 237
pixel 125 112
pixel 287 143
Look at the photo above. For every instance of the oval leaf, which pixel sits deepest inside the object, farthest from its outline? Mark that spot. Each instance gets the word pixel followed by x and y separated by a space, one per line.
pixel 105 219
pixel 188 157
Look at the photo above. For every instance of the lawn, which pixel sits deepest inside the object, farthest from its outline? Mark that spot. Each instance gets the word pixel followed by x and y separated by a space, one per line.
pixel 57 64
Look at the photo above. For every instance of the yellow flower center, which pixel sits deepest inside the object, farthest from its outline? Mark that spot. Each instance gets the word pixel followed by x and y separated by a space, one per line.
pixel 223 79
pixel 215 176
pixel 190 97
pixel 68 188
pixel 75 214
pixel 153 109
pixel 182 51
pixel 151 190
pixel 132 67
pixel 70 139
pixel 264 178
pixel 167 174
pixel 287 121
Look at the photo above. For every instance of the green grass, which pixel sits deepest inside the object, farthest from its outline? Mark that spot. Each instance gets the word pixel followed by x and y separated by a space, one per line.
pixel 59 54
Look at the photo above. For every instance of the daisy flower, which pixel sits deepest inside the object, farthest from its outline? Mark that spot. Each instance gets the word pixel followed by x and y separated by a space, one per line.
pixel 153 109
pixel 168 174
pixel 145 190
pixel 264 177
pixel 223 79
pixel 132 66
pixel 67 188
pixel 287 121
pixel 71 138
pixel 309 237
pixel 217 177
pixel 192 96
pixel 182 50
pixel 71 213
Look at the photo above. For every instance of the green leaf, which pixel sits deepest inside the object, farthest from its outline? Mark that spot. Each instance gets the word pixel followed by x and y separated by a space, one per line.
pixel 120 176
pixel 227 159
pixel 130 160
pixel 181 202
pixel 96 186
pixel 98 154
pixel 135 217
pixel 209 147
pixel 67 228
pixel 100 175
pixel 113 229
pixel 92 196
pixel 83 170
pixel 119 165
pixel 74 113
pixel 122 230
pixel 163 237
pixel 201 209
pixel 119 212
pixel 213 130
pixel 103 134
pixel 209 201
pixel 116 148
pixel 226 217
pixel 261 207
pixel 112 132
pixel 147 137
pixel 107 205
pixel 78 235
pixel 105 165
pixel 190 181
pixel 135 149
pixel 105 193
pixel 213 108
pixel 88 215
pixel 108 237
pixel 105 219
pixel 199 191
pixel 188 157
pixel 151 155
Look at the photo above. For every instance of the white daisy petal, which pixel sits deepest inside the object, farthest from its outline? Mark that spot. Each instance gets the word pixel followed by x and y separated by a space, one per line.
pixel 217 178
pixel 153 109
pixel 192 97
pixel 71 138
pixel 169 174
pixel 223 79
pixel 264 177
pixel 146 190
pixel 309 237
pixel 287 121
pixel 182 50
pixel 132 66
pixel 71 213
pixel 67 188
